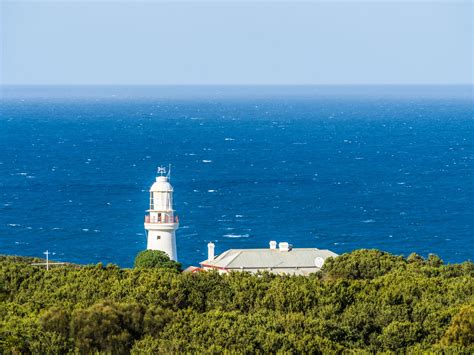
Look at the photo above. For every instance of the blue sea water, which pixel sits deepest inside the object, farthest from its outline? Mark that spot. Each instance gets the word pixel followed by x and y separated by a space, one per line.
pixel 336 168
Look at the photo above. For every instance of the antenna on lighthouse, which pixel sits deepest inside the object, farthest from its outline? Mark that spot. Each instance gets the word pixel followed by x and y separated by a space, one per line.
pixel 161 170
pixel 169 172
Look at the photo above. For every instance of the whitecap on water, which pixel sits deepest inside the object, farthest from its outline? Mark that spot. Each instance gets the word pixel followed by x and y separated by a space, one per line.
pixel 85 229
pixel 229 139
pixel 238 215
pixel 369 221
pixel 189 235
pixel 207 161
pixel 211 190
pixel 235 235
pixel 14 225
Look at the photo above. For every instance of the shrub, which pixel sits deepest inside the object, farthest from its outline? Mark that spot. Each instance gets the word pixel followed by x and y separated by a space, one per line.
pixel 362 264
pixel 461 329
pixel 155 259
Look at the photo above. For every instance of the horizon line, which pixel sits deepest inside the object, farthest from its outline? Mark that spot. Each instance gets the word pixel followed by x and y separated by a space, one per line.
pixel 236 85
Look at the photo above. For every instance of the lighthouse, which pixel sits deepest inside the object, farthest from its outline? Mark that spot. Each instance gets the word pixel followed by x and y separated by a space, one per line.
pixel 161 222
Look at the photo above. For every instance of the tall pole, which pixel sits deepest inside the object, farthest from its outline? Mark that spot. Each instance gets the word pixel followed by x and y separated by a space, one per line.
pixel 47 260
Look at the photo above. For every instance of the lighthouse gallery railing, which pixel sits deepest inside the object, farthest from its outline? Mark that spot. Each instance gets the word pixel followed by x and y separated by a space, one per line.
pixel 162 219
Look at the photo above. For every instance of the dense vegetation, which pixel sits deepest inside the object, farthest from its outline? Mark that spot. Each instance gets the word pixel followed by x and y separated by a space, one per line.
pixel 364 301
pixel 155 259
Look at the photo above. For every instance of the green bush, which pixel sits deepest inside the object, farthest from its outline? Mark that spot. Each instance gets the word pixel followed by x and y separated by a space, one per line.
pixel 155 259
pixel 362 264
pixel 461 329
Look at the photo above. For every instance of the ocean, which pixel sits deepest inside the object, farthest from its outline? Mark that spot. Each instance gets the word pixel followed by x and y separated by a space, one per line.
pixel 337 168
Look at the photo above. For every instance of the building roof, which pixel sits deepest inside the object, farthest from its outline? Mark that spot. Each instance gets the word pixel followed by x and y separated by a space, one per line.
pixel 271 259
pixel 192 269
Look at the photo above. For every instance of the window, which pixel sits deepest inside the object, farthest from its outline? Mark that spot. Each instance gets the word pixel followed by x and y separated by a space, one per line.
pixel 158 237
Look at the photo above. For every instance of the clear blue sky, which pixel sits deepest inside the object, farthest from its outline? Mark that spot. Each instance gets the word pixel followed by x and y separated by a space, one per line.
pixel 316 42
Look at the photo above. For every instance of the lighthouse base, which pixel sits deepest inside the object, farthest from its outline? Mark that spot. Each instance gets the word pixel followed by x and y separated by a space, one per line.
pixel 164 241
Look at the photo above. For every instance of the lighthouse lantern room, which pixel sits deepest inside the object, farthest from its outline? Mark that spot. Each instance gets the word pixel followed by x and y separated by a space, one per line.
pixel 161 222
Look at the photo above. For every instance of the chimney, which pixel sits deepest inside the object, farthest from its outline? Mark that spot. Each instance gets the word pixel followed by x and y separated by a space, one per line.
pixel 273 244
pixel 284 246
pixel 210 251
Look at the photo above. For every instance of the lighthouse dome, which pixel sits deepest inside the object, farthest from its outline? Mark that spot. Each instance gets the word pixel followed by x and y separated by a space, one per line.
pixel 161 185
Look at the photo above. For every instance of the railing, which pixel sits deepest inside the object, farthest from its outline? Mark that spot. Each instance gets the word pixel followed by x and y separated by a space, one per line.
pixel 161 219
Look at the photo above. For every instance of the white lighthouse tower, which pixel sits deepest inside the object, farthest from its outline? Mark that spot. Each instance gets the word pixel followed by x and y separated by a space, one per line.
pixel 161 222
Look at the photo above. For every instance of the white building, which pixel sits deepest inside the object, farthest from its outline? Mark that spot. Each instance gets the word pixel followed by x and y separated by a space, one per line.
pixel 279 260
pixel 161 222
